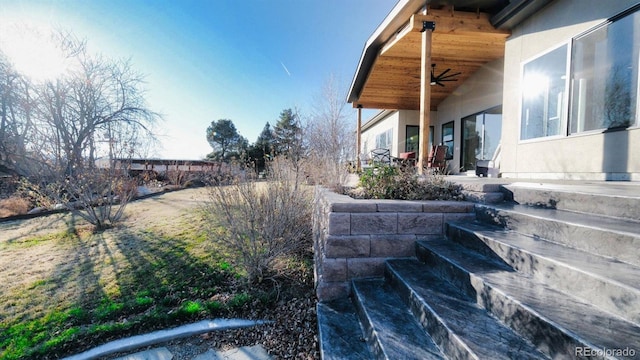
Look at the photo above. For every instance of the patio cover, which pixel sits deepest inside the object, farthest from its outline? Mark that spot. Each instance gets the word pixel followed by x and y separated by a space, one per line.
pixel 461 41
pixel 395 69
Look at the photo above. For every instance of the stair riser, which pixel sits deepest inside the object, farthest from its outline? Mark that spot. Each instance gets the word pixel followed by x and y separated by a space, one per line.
pixel 448 343
pixel 621 207
pixel 547 337
pixel 613 297
pixel 446 270
pixel 596 241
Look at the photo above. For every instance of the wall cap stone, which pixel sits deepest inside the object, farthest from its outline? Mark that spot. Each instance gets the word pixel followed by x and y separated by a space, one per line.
pixel 340 203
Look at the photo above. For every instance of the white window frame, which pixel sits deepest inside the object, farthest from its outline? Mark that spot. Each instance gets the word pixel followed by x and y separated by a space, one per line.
pixel 565 96
pixel 388 140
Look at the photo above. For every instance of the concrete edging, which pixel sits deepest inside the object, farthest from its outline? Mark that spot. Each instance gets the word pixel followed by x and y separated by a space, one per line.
pixel 156 337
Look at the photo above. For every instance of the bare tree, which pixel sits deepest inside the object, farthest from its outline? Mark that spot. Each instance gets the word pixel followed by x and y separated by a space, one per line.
pixel 329 135
pixel 61 127
pixel 101 101
pixel 16 119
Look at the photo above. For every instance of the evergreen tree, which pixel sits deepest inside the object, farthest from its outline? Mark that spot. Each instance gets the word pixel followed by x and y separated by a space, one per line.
pixel 265 140
pixel 262 148
pixel 225 140
pixel 288 135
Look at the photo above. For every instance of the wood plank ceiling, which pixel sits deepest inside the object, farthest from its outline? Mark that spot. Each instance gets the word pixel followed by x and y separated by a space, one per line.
pixel 462 42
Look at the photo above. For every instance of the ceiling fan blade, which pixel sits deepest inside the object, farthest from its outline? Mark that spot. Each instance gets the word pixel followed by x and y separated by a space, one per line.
pixel 442 77
pixel 449 76
pixel 443 73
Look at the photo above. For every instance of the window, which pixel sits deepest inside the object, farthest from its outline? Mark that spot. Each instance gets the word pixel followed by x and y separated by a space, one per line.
pixel 447 139
pixel 543 95
pixel 412 141
pixel 384 140
pixel 604 66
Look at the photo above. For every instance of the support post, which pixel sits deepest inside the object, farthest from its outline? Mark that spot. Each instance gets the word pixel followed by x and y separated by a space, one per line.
pixel 425 94
pixel 358 139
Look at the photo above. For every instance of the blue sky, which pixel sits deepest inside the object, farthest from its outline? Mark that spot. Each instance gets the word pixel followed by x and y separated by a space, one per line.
pixel 212 59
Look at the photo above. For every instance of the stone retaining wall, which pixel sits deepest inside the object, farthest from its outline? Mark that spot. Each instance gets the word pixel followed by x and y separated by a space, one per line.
pixel 353 238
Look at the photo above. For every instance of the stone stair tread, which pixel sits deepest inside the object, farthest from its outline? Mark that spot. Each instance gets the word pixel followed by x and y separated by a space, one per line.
pixel 576 317
pixel 603 267
pixel 611 224
pixel 397 332
pixel 614 190
pixel 481 333
pixel 340 333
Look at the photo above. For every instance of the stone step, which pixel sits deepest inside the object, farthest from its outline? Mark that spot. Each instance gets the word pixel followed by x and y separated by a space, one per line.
pixel 339 331
pixel 607 283
pixel 485 193
pixel 559 325
pixel 600 235
pixel 461 328
pixel 391 330
pixel 613 199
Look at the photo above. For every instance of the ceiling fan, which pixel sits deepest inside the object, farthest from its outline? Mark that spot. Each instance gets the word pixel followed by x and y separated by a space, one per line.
pixel 443 77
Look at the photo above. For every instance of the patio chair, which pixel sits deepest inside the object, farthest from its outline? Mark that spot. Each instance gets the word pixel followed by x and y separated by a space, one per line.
pixel 437 158
pixel 381 156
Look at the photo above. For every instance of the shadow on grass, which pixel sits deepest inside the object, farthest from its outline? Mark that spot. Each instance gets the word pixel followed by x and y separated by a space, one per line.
pixel 45 222
pixel 115 284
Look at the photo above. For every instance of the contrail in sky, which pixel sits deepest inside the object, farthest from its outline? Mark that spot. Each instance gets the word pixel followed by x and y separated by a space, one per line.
pixel 285 68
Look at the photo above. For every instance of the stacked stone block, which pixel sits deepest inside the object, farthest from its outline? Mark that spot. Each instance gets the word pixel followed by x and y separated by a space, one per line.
pixel 354 237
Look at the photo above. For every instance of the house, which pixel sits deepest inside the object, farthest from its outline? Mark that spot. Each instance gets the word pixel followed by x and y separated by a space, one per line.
pixel 547 88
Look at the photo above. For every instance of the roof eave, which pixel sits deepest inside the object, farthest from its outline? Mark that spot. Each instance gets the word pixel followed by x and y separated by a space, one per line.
pixel 396 19
pixel 509 17
pixel 516 12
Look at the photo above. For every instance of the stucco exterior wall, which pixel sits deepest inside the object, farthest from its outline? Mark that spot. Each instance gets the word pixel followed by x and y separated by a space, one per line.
pixel 598 155
pixel 368 137
pixel 396 120
pixel 483 90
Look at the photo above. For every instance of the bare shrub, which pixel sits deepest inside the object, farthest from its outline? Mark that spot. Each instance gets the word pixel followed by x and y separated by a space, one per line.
pixel 325 171
pixel 98 196
pixel 258 222
pixel 14 205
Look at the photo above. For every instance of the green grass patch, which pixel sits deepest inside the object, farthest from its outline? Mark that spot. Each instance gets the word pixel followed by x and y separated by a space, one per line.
pixel 239 300
pixel 57 238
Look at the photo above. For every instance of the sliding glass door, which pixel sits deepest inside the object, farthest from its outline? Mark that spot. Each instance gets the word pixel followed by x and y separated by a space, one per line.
pixel 480 137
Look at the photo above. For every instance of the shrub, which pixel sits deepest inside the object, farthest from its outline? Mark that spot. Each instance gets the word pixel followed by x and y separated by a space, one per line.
pixel 97 196
pixel 14 205
pixel 257 222
pixel 391 182
pixel 379 182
